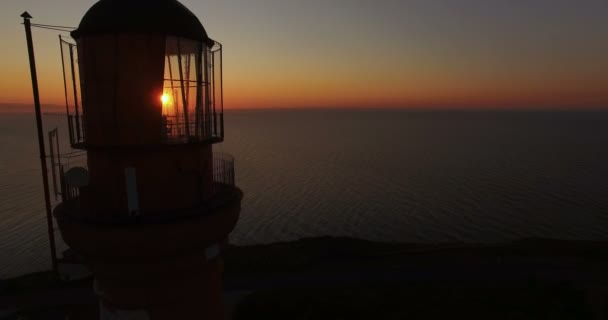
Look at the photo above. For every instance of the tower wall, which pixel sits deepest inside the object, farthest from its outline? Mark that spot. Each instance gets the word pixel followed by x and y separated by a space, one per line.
pixel 156 271
pixel 122 82
pixel 167 178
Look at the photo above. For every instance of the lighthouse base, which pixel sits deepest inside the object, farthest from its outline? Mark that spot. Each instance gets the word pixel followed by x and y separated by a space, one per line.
pixel 109 314
pixel 200 298
pixel 156 271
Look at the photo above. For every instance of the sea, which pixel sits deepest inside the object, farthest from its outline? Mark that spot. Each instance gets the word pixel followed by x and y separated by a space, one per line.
pixel 383 175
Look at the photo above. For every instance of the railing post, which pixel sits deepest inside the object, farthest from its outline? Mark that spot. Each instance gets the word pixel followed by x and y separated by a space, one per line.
pixel 71 130
pixel 222 125
pixel 84 132
pixel 62 185
pixel 232 178
pixel 52 134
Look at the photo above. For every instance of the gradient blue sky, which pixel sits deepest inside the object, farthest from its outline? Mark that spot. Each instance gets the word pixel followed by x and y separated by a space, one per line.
pixel 364 53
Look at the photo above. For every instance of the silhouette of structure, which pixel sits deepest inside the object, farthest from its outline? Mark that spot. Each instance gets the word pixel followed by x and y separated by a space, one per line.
pixel 152 209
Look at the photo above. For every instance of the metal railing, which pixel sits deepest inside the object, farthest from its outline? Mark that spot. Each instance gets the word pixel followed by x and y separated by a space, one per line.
pixel 76 129
pixel 223 174
pixel 223 192
pixel 69 191
pixel 175 130
pixel 223 170
pixel 172 130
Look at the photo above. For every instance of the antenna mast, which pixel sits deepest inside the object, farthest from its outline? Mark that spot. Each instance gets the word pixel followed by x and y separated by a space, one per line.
pixel 45 180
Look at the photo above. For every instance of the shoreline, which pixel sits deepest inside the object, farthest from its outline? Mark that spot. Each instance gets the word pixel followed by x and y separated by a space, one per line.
pixel 320 249
pixel 346 268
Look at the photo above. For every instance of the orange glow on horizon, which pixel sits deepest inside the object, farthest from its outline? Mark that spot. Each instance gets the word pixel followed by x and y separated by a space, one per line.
pixel 423 86
pixel 409 54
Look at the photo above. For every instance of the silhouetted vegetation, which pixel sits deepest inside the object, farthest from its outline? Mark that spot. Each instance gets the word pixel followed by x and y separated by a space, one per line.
pixel 531 299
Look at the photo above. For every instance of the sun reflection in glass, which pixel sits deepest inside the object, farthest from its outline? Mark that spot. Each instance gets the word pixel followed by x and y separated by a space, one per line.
pixel 167 102
pixel 165 98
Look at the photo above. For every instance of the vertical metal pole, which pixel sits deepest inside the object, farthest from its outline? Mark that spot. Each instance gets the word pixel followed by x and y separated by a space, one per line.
pixel 65 88
pixel 173 91
pixel 174 101
pixel 52 157
pixel 199 92
pixel 213 88
pixel 184 99
pixel 58 161
pixel 78 137
pixel 45 180
pixel 222 90
pixel 71 129
pixel 207 102
pixel 64 194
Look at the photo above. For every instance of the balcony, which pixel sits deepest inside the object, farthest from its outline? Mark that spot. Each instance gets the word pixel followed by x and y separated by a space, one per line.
pixel 138 239
pixel 73 181
pixel 223 170
pixel 173 130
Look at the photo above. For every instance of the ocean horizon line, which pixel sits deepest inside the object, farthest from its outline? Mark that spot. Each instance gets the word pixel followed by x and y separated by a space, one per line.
pixel 53 109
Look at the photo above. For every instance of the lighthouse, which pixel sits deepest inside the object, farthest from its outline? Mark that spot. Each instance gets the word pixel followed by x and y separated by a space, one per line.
pixel 152 209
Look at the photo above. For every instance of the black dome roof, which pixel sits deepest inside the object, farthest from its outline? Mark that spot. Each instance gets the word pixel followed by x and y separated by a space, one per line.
pixel 167 17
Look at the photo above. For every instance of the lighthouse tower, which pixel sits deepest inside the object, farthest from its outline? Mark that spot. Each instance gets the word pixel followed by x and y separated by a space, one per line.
pixel 152 209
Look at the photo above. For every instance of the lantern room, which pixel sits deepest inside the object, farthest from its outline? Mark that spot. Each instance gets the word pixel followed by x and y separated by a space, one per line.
pixel 147 74
pixel 144 99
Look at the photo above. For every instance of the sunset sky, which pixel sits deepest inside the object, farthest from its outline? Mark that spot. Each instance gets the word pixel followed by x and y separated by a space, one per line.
pixel 366 53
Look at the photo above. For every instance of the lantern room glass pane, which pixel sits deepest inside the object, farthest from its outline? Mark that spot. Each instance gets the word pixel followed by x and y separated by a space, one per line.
pixel 183 89
pixel 192 92
pixel 216 91
pixel 73 94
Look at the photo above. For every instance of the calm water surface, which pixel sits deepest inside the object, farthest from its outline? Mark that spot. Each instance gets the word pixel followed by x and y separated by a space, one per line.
pixel 380 175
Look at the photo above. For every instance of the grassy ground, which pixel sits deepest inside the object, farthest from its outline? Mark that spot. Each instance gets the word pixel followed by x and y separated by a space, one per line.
pixel 519 300
pixel 525 297
pixel 39 281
